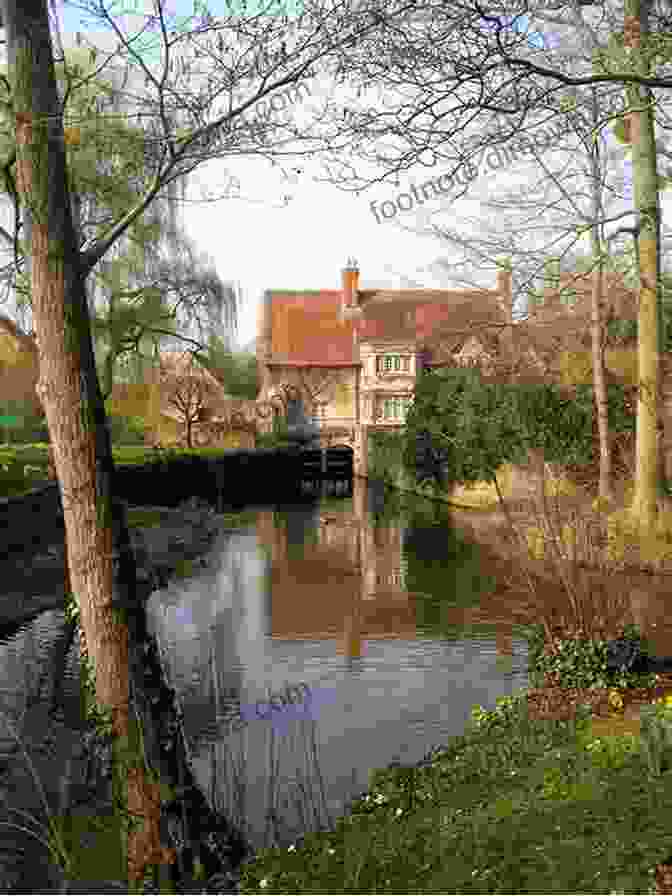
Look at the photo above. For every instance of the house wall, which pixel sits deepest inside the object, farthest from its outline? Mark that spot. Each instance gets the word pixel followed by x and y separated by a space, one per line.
pixel 329 394
pixel 376 387
pixel 18 372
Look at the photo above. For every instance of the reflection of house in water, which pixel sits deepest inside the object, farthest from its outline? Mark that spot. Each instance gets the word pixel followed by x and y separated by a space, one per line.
pixel 345 586
pixel 347 581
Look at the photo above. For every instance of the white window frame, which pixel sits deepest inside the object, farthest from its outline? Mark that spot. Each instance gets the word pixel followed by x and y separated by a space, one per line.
pixel 393 363
pixel 396 405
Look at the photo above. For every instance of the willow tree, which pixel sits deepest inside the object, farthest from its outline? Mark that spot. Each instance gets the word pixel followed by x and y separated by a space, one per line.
pixel 154 272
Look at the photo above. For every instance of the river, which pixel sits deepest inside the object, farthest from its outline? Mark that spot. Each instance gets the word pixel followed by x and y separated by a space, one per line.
pixel 319 641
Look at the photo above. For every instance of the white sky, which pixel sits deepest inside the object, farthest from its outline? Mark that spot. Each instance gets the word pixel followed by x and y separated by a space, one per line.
pixel 263 243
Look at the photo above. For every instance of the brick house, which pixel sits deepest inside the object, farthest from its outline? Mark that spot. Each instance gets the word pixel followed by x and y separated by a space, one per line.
pixel 351 355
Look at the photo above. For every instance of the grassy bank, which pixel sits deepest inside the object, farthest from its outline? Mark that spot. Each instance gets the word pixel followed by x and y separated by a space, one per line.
pixel 514 805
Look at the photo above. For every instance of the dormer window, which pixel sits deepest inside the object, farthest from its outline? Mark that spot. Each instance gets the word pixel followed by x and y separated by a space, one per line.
pixel 393 364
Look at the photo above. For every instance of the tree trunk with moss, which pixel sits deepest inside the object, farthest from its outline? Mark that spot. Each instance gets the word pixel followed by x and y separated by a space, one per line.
pixel 645 183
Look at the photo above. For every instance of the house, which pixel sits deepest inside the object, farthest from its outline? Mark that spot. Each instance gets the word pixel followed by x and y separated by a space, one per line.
pixel 186 390
pixel 18 365
pixel 560 318
pixel 350 356
pixel 181 389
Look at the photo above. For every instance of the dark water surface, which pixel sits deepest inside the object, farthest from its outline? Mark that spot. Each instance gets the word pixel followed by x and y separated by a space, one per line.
pixel 321 640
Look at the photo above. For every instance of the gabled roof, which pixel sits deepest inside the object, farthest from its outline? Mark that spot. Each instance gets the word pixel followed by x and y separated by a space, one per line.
pixel 618 300
pixel 308 327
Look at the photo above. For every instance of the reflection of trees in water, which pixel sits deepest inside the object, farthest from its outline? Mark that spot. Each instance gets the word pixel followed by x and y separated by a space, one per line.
pixel 440 562
pixel 295 800
pixel 33 665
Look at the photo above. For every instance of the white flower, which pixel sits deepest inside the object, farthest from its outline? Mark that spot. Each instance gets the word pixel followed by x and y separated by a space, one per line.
pixel 291 848
pixel 331 851
pixel 399 812
pixel 263 882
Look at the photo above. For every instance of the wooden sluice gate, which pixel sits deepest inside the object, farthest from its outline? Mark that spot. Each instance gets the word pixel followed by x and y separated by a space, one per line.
pixel 326 465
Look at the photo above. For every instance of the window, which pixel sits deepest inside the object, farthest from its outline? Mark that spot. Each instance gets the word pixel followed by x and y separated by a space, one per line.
pixel 390 363
pixel 395 408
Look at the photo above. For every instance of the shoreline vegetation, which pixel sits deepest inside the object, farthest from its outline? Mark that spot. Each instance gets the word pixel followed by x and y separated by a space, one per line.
pixel 564 787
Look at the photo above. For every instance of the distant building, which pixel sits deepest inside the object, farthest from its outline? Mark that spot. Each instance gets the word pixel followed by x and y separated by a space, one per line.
pixel 349 357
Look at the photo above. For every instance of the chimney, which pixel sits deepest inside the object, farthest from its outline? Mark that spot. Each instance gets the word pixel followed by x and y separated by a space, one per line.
pixel 350 280
pixel 505 293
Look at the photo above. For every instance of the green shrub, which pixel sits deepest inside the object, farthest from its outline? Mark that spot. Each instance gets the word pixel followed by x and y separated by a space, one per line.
pixel 460 429
pixel 31 426
pixel 583 664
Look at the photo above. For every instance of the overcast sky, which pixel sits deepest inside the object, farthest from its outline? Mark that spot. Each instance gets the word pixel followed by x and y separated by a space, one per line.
pixel 263 241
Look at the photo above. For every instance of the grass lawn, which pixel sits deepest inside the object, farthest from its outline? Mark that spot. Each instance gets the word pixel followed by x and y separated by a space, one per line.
pixel 513 806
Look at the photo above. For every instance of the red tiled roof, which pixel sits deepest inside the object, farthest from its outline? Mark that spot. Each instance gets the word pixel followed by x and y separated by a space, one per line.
pixel 307 327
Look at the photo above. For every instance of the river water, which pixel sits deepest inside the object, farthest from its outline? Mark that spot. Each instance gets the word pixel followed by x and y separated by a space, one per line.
pixel 321 640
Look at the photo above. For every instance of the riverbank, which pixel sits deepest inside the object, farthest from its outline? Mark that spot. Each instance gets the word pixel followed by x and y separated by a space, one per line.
pixel 515 805
pixel 166 541
pixel 45 770
pixel 555 791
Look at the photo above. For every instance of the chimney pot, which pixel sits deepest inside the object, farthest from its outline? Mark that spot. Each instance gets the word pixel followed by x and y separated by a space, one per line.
pixel 350 283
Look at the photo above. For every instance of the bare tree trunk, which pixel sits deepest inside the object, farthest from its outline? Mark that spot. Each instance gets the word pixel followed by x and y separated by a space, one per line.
pixel 599 373
pixel 645 182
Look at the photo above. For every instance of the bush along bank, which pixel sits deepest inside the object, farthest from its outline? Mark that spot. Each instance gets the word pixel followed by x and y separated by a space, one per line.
pixel 517 804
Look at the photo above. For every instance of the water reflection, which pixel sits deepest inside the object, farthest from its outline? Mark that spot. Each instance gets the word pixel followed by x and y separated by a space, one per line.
pixel 357 607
